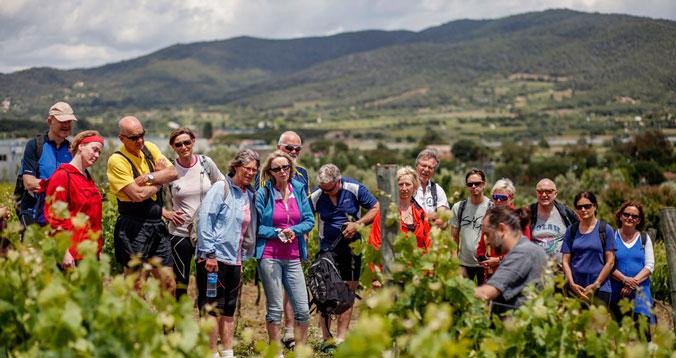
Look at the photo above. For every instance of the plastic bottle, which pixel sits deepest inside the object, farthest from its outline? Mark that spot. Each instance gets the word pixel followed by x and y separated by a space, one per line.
pixel 212 283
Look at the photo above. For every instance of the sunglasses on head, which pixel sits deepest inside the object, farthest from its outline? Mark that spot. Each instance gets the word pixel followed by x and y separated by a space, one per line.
pixel 474 184
pixel 584 206
pixel 181 144
pixel 135 137
pixel 631 216
pixel 279 169
pixel 293 148
pixel 500 197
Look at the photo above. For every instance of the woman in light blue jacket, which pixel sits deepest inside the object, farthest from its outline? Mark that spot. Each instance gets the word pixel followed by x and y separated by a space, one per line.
pixel 226 232
pixel 285 217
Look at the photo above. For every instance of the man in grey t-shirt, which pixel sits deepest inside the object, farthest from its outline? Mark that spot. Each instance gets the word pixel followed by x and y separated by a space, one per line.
pixel 466 224
pixel 523 264
pixel 549 219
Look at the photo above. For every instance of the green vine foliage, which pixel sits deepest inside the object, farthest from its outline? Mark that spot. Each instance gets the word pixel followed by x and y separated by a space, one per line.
pixel 86 311
pixel 426 309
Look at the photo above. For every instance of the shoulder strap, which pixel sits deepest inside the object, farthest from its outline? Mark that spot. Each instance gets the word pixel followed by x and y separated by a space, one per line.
pixel 433 191
pixel 39 145
pixel 133 167
pixel 573 231
pixel 205 165
pixel 602 235
pixel 460 210
pixel 534 214
pixel 149 158
pixel 644 239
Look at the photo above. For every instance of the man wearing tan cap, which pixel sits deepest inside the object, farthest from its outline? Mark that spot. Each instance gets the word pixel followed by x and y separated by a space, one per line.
pixel 42 155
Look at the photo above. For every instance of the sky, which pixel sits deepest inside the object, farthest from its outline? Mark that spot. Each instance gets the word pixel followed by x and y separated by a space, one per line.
pixel 89 33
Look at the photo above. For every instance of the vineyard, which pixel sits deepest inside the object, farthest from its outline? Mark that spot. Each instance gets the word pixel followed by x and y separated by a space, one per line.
pixel 425 309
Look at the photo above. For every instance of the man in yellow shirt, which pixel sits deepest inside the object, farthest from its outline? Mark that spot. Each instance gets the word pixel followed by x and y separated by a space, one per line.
pixel 136 173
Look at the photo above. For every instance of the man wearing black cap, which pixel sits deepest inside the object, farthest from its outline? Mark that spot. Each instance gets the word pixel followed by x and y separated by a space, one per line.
pixel 42 155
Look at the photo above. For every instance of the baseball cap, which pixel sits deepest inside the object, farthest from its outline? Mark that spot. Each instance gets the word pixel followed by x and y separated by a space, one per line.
pixel 62 112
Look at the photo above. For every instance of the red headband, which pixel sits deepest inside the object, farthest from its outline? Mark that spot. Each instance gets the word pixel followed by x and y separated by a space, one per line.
pixel 91 139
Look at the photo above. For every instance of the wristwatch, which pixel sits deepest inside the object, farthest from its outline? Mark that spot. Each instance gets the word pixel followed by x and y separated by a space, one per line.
pixel 151 178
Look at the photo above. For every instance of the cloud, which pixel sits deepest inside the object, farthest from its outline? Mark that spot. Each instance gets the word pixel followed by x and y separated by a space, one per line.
pixel 73 34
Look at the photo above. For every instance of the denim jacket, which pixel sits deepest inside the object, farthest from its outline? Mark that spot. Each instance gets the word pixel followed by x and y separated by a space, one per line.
pixel 219 227
pixel 265 210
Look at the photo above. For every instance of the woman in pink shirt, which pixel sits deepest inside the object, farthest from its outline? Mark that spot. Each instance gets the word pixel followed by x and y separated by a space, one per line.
pixel 285 217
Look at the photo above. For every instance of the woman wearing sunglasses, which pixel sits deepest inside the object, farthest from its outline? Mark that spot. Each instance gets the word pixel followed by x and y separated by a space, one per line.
pixel 285 217
pixel 588 252
pixel 502 194
pixel 196 174
pixel 635 261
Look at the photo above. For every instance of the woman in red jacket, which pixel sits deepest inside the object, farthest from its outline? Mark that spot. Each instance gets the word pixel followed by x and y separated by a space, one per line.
pixel 412 216
pixel 71 183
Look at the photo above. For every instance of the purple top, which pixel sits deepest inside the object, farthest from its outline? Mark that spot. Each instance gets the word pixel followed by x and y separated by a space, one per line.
pixel 283 216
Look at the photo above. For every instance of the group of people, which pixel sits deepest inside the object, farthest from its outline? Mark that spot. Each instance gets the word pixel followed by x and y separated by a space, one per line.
pixel 266 212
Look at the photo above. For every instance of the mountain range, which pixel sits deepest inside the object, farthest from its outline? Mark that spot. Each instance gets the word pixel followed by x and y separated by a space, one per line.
pixel 598 56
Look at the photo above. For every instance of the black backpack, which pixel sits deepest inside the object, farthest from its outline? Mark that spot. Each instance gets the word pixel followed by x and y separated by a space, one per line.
pixel 330 294
pixel 20 192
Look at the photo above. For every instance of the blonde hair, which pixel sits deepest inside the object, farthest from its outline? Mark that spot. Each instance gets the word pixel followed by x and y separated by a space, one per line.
pixel 79 137
pixel 411 172
pixel 265 172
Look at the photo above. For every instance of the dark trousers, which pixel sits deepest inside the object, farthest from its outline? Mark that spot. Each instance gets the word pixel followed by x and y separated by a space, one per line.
pixel 182 252
pixel 475 274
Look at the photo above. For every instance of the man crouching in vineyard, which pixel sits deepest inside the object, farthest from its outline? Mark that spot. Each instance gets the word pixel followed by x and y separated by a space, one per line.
pixel 136 173
pixel 523 264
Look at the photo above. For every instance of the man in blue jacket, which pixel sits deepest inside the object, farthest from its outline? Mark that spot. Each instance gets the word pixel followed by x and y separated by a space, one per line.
pixel 42 155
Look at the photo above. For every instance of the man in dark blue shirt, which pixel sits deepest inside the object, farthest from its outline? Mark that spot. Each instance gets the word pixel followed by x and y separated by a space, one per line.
pixel 34 168
pixel 338 202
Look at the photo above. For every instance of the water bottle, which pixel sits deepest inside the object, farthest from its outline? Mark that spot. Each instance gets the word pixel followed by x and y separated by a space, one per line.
pixel 212 283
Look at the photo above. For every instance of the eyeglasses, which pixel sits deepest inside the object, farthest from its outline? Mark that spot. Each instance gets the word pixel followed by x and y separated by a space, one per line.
pixel 135 137
pixel 584 206
pixel 631 216
pixel 181 144
pixel 250 169
pixel 500 197
pixel 473 184
pixel 293 148
pixel 280 169
pixel 546 191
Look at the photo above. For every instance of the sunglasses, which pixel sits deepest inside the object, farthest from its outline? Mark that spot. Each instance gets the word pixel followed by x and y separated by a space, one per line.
pixel 293 148
pixel 326 191
pixel 500 197
pixel 135 137
pixel 546 191
pixel 474 184
pixel 631 216
pixel 279 169
pixel 181 144
pixel 584 206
